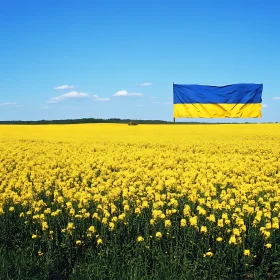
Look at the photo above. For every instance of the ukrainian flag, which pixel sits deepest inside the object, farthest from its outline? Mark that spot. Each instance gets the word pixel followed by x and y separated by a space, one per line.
pixel 231 101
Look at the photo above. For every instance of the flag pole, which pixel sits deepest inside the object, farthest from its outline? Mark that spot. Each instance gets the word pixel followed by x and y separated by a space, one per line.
pixel 173 104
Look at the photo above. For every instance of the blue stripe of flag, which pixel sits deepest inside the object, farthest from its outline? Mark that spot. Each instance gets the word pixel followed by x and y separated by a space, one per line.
pixel 229 94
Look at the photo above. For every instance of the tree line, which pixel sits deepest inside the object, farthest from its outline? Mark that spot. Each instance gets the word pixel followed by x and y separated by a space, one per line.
pixel 99 120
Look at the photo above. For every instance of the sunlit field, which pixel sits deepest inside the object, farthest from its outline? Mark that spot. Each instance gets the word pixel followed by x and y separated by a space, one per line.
pixel 112 201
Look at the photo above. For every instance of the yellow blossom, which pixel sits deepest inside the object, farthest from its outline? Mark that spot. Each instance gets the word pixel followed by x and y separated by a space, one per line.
pixel 193 221
pixel 140 239
pixel 158 235
pixel 111 226
pixel 99 241
pixel 167 223
pixel 40 253
pixel 232 240
pixel 44 226
pixel 183 222
pixel 91 229
pixel 203 229
pixel 246 252
pixel 208 254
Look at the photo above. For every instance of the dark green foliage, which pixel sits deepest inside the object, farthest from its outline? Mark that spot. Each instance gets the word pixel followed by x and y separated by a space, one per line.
pixel 92 120
pixel 177 255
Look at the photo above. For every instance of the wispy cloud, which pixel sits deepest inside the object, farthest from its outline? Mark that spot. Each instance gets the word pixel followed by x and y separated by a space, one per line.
pixel 276 98
pixel 264 105
pixel 64 87
pixel 97 98
pixel 162 103
pixel 146 84
pixel 10 104
pixel 126 93
pixel 68 96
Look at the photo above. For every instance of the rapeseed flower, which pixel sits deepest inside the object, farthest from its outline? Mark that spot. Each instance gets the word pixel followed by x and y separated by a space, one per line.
pixel 140 239
pixel 208 254
pixel 183 222
pixel 203 229
pixel 167 223
pixel 232 240
pixel 99 241
pixel 247 252
pixel 158 235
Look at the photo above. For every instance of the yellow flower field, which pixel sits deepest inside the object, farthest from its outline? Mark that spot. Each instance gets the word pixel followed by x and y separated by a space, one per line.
pixel 206 189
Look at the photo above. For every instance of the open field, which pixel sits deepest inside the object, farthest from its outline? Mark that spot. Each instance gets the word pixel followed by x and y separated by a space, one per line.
pixel 111 201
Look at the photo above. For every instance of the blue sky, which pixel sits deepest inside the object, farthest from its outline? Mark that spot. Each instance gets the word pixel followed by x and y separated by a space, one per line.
pixel 64 59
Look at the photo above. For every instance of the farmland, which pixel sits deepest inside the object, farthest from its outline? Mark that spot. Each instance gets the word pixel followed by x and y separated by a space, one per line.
pixel 111 201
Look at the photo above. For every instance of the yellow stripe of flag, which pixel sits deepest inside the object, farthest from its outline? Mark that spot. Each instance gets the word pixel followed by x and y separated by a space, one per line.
pixel 198 110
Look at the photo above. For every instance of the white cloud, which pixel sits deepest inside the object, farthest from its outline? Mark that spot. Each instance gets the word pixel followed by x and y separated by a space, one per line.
pixel 69 95
pixel 97 98
pixel 146 84
pixel 101 99
pixel 8 104
pixel 126 93
pixel 43 108
pixel 276 97
pixel 162 103
pixel 64 87
pixel 264 105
